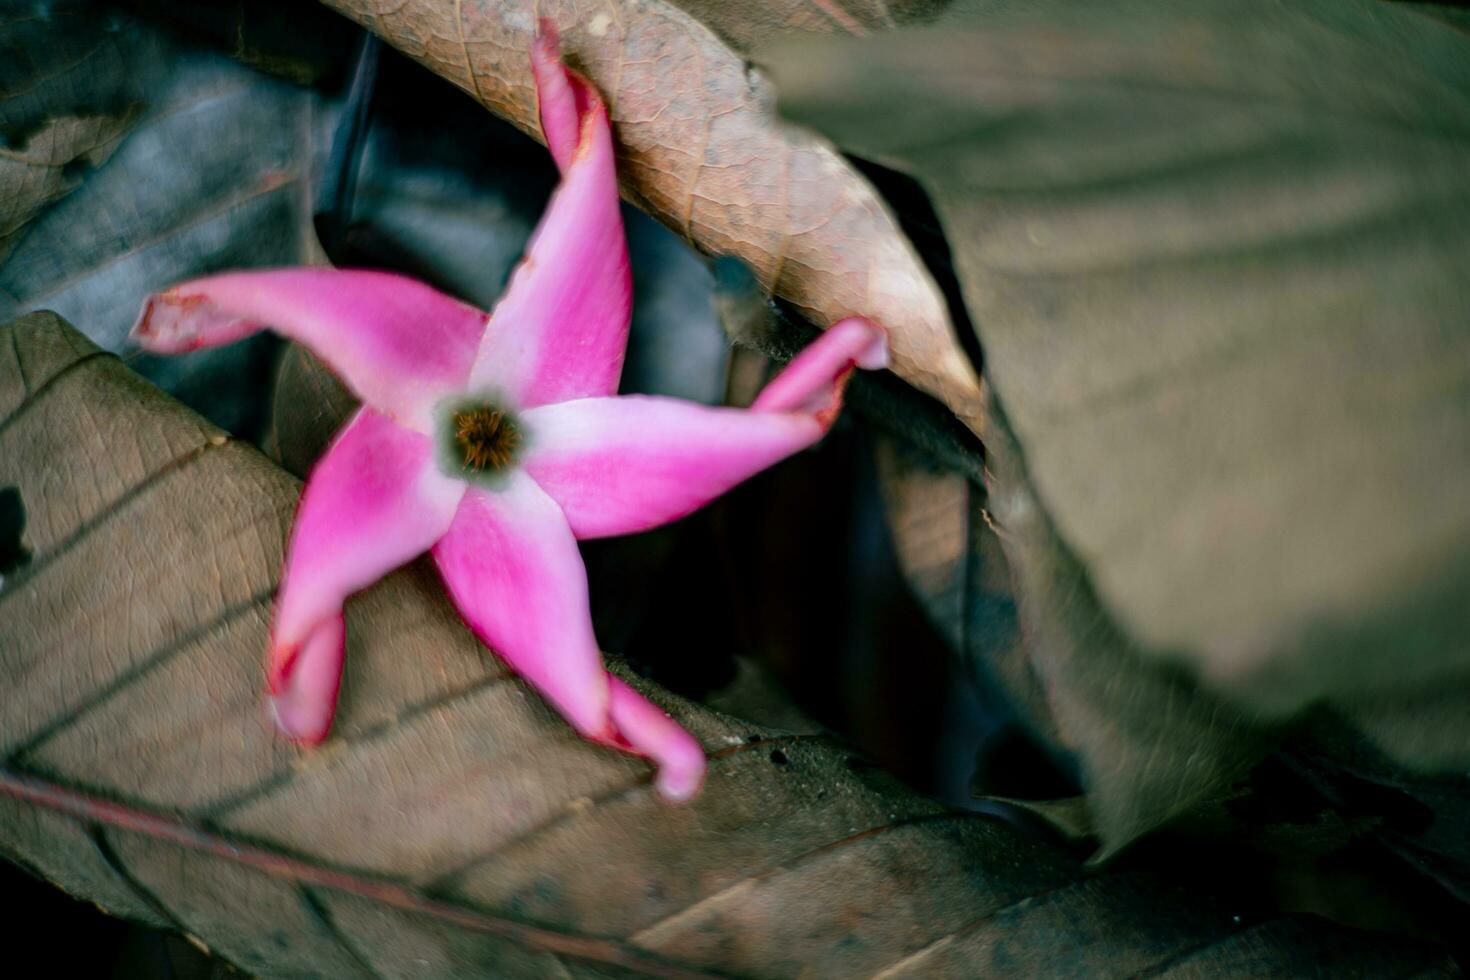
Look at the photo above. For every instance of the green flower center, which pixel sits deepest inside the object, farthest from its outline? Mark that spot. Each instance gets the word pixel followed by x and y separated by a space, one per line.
pixel 485 438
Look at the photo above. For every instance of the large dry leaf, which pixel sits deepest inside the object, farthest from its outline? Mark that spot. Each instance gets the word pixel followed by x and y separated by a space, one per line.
pixel 453 823
pixel 1215 256
pixel 1150 743
pixel 745 25
pixel 700 148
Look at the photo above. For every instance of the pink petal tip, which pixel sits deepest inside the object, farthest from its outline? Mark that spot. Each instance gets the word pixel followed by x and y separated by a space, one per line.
pixel 814 380
pixel 873 353
pixel 644 728
pixel 173 322
pixel 304 683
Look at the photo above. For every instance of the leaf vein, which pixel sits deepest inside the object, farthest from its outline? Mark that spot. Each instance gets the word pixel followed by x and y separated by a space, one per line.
pixel 191 837
pixel 41 561
pixel 692 910
pixel 46 385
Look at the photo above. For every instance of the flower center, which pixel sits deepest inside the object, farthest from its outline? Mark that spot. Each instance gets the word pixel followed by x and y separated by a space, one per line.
pixel 485 438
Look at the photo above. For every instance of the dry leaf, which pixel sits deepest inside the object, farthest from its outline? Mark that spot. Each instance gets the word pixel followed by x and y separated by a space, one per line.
pixel 452 823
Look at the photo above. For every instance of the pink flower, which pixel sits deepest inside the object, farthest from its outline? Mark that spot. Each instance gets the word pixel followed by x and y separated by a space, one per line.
pixel 495 442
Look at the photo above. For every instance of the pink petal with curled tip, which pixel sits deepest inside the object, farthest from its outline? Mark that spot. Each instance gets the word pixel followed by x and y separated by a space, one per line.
pixel 626 464
pixel 561 101
pixel 513 569
pixel 304 693
pixel 814 379
pixel 397 343
pixel 374 501
pixel 644 728
pixel 561 327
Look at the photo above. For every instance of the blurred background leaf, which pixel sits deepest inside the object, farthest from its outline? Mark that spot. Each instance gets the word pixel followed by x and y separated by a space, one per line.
pixel 1215 256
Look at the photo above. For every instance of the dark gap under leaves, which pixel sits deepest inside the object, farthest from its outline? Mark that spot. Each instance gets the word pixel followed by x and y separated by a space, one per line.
pixel 910 204
pixel 14 555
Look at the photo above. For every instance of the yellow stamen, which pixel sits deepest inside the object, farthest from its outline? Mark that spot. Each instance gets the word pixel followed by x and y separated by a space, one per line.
pixel 485 437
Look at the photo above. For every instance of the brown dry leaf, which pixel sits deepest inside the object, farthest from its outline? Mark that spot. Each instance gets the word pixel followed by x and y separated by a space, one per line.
pixel 745 25
pixel 700 147
pixel 1153 749
pixel 1215 257
pixel 453 823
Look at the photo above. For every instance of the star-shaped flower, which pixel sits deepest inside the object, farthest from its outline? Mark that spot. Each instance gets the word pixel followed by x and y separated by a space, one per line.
pixel 496 442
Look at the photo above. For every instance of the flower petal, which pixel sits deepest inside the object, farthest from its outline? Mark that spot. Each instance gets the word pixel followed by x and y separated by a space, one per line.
pixel 399 344
pixel 626 464
pixel 374 501
pixel 562 98
pixel 620 465
pixel 513 569
pixel 644 728
pixel 814 379
pixel 560 329
pixel 304 693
